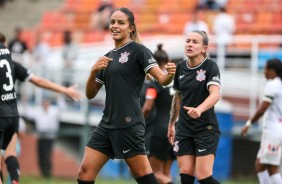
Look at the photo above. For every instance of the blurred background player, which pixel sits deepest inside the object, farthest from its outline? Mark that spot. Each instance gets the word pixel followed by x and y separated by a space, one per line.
pixel 47 123
pixel 151 111
pixel 69 56
pixel 269 155
pixel 160 150
pixel 195 24
pixel 17 46
pixel 223 28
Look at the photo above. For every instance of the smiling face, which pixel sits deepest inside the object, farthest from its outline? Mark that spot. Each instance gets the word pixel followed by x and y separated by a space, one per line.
pixel 120 28
pixel 194 46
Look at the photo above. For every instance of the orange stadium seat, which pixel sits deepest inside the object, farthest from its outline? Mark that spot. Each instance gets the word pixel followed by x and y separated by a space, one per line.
pixel 56 38
pixel 188 5
pixel 122 3
pixel 82 20
pixel 55 20
pixel 93 36
pixel 28 36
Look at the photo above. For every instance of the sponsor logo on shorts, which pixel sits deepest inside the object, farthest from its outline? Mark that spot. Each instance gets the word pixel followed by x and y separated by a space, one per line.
pixel 125 151
pixel 273 148
pixel 201 150
pixel 176 146
pixel 209 127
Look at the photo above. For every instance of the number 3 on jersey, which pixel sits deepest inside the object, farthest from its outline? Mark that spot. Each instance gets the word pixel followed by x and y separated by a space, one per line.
pixel 5 63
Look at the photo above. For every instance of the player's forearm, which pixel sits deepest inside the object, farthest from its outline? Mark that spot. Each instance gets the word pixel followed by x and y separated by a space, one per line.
pixel 167 79
pixel 175 107
pixel 91 86
pixel 44 83
pixel 210 102
pixel 260 111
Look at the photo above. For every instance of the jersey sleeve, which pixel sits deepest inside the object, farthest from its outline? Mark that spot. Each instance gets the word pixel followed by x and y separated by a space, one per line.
pixel 214 75
pixel 269 91
pixel 146 58
pixel 176 78
pixel 21 73
pixel 153 90
pixel 100 77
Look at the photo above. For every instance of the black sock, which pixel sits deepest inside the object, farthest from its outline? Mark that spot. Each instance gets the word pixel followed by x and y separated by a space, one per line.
pixel 147 179
pixel 13 167
pixel 187 179
pixel 209 180
pixel 85 182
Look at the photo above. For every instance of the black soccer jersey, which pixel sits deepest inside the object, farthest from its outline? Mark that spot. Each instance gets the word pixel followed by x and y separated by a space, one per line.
pixel 123 80
pixel 21 73
pixel 163 105
pixel 8 103
pixel 153 113
pixel 193 84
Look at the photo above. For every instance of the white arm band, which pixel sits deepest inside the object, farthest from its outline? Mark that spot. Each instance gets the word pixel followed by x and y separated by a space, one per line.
pixel 248 123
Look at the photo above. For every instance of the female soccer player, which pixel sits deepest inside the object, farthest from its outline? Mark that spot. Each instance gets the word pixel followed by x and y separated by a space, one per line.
pixel 9 117
pixel 269 155
pixel 120 134
pixel 197 85
pixel 160 150
pixel 22 74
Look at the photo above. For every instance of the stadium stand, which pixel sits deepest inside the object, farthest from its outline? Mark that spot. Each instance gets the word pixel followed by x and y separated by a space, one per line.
pixel 158 17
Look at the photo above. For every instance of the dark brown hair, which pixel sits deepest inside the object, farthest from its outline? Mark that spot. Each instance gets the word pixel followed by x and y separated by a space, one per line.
pixel 2 38
pixel 160 55
pixel 134 34
pixel 276 65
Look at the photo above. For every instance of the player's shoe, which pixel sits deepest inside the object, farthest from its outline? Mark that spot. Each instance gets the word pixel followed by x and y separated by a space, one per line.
pixel 15 182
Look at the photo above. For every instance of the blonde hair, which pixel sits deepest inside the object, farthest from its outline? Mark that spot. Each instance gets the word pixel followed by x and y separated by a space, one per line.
pixel 205 38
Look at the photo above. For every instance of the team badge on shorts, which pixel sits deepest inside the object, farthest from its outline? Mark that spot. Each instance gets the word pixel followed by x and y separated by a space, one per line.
pixel 201 75
pixel 124 57
pixel 175 146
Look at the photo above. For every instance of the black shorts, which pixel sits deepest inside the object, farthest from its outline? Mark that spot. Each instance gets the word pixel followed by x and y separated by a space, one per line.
pixel 8 126
pixel 160 148
pixel 198 146
pixel 119 143
pixel 148 137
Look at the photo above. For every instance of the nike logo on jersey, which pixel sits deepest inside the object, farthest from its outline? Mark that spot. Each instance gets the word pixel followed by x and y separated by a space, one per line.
pixel 125 151
pixel 181 76
pixel 201 150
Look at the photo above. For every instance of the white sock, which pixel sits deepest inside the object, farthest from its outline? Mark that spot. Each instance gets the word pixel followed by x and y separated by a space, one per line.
pixel 263 177
pixel 276 178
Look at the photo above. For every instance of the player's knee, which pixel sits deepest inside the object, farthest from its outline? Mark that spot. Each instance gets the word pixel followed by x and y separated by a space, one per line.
pixel 83 169
pixel 186 170
pixel 203 173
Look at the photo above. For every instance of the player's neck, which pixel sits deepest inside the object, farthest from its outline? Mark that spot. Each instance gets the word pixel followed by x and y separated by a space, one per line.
pixel 195 61
pixel 121 43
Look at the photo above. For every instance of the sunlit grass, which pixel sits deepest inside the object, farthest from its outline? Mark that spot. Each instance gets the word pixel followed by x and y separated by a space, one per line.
pixel 39 180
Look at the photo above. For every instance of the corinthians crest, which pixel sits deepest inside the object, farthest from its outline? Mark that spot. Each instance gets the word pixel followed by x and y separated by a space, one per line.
pixel 124 57
pixel 201 75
